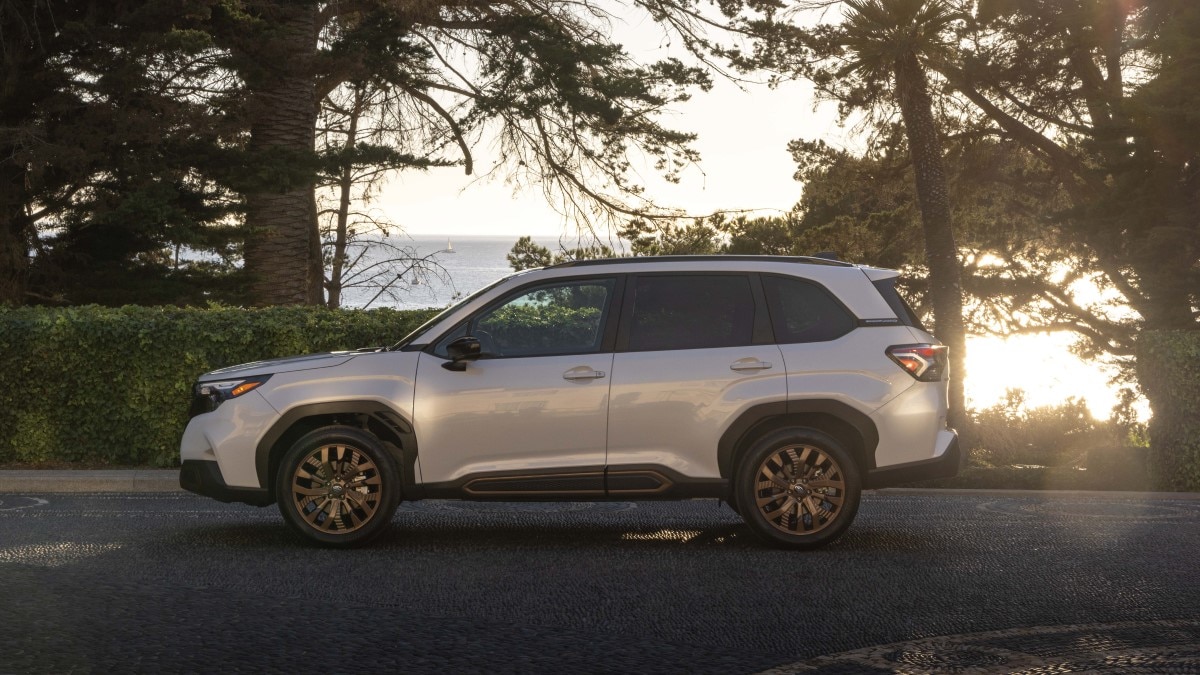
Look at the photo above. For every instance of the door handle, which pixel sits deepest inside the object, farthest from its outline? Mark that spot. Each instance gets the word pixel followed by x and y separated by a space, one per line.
pixel 750 364
pixel 583 373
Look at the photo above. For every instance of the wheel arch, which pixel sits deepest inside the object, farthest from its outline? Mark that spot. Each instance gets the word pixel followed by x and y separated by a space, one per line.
pixel 388 425
pixel 850 427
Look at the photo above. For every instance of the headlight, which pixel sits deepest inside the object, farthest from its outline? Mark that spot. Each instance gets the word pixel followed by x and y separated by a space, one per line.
pixel 207 396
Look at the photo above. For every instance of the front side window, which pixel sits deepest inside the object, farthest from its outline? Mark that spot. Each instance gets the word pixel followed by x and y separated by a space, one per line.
pixel 691 312
pixel 558 318
pixel 805 312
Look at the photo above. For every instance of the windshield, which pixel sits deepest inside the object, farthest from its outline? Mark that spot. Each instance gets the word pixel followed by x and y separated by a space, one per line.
pixel 411 337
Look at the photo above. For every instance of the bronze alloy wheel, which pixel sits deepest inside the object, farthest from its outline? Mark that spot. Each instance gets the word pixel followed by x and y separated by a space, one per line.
pixel 800 489
pixel 336 489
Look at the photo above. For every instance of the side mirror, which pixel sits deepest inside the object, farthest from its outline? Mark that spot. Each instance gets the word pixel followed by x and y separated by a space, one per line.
pixel 465 348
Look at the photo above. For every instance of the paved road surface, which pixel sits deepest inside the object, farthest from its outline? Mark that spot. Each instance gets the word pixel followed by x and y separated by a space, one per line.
pixel 172 582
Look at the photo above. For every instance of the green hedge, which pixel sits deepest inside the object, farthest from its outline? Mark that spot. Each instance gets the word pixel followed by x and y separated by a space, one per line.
pixel 1168 366
pixel 111 386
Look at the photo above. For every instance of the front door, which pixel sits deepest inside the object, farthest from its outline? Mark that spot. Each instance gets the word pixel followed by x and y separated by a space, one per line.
pixel 535 403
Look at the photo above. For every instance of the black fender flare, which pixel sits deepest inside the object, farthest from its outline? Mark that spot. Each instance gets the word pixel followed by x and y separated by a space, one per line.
pixel 781 413
pixel 387 423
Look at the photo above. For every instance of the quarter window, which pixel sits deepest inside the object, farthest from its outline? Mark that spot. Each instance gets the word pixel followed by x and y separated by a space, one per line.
pixel 691 312
pixel 802 311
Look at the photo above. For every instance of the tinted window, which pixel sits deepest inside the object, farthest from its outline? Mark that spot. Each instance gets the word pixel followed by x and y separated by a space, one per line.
pixel 804 312
pixel 562 318
pixel 691 312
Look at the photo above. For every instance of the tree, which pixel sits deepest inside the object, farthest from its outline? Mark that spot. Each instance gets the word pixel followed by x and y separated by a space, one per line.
pixel 107 136
pixel 566 104
pixel 1103 91
pixel 699 236
pixel 1079 85
pixel 359 138
pixel 879 56
pixel 528 254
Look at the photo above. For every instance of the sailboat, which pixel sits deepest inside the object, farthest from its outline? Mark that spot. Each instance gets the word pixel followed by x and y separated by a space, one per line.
pixel 450 247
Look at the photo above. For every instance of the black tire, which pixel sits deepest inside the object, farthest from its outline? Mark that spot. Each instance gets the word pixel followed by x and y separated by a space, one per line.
pixel 797 488
pixel 337 486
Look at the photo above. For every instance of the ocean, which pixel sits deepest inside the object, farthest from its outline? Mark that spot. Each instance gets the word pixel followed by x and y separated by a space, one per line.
pixel 476 261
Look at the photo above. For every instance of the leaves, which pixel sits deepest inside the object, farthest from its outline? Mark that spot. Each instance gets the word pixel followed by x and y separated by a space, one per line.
pixel 113 385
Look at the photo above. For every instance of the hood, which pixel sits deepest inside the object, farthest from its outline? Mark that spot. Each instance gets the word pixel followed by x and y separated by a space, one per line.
pixel 284 365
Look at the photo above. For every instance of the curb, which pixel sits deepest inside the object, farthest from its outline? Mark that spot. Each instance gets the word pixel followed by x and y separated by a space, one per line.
pixel 167 480
pixel 136 480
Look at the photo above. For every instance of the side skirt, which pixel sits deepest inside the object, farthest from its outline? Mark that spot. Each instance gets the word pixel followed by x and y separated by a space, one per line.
pixel 594 483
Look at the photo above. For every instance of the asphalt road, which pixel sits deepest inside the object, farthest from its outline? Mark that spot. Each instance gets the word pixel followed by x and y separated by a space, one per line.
pixel 171 583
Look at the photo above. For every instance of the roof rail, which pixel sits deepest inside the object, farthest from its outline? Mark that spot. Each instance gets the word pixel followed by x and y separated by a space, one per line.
pixel 801 259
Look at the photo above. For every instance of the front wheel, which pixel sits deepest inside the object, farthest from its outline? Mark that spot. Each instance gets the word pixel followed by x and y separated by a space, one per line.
pixel 798 488
pixel 338 486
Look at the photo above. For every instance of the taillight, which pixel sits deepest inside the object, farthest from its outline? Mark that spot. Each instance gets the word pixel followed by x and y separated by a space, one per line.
pixel 925 362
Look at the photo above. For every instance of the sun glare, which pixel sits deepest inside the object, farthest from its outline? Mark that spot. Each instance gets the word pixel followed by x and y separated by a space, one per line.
pixel 1043 366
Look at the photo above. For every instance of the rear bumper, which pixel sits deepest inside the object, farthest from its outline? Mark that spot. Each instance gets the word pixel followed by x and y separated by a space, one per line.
pixel 943 466
pixel 204 478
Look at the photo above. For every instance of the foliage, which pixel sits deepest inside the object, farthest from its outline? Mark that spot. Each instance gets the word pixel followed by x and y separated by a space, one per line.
pixel 93 384
pixel 139 137
pixel 527 254
pixel 360 135
pixel 1169 372
pixel 1057 447
pixel 541 329
pixel 108 146
pixel 1009 433
pixel 1083 86
pixel 665 237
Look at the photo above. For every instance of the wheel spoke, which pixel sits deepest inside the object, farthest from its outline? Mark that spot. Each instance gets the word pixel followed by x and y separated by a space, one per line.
pixel 773 479
pixel 331 521
pixel 312 516
pixel 764 501
pixel 781 514
pixel 358 498
pixel 310 492
pixel 832 499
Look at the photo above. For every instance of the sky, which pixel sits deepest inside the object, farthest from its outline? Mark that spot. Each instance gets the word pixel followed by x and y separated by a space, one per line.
pixel 748 168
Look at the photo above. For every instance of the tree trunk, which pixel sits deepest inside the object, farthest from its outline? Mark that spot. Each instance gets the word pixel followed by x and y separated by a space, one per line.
pixel 280 222
pixel 941 254
pixel 14 236
pixel 345 185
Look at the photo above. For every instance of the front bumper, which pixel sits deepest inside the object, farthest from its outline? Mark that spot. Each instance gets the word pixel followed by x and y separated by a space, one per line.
pixel 943 466
pixel 204 478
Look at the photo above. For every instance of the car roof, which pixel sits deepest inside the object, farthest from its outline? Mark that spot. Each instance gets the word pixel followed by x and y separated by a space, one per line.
pixel 819 259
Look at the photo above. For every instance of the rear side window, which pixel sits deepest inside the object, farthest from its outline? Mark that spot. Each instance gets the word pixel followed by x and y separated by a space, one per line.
pixel 802 311
pixel 691 312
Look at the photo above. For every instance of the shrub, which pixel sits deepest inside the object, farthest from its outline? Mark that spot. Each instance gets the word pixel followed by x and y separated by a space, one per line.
pixel 104 385
pixel 1010 434
pixel 1168 366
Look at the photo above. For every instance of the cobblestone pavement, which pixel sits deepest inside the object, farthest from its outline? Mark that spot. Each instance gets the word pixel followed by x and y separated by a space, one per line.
pixel 921 583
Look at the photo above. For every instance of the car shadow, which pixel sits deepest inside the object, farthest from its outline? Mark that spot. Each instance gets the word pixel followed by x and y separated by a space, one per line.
pixel 548 536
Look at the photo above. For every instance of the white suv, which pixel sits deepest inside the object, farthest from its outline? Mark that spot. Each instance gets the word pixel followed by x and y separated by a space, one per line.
pixel 782 385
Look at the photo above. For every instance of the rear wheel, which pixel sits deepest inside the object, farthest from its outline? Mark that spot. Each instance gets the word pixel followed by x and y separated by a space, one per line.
pixel 798 488
pixel 338 486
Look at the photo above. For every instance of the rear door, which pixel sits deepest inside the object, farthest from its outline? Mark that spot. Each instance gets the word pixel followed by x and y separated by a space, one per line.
pixel 694 350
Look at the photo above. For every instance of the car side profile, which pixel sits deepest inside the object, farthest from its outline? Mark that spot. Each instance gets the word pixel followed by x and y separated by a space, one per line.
pixel 782 385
